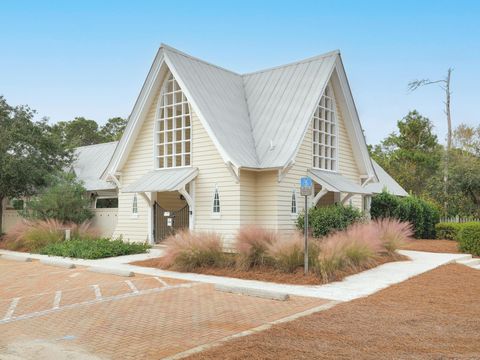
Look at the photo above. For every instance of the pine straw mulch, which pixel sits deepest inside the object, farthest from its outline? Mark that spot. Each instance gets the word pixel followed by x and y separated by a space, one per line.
pixel 436 246
pixel 270 274
pixel 431 316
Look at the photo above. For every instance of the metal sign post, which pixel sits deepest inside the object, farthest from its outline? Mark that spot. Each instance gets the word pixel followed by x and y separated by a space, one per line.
pixel 306 189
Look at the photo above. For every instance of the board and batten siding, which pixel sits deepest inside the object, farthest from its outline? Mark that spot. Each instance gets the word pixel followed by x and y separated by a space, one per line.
pixel 213 172
pixel 303 161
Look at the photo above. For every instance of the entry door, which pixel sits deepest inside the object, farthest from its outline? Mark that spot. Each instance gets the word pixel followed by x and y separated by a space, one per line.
pixel 167 222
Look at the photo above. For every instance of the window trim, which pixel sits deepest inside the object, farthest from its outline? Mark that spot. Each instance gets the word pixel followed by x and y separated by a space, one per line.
pixel 293 198
pixel 134 213
pixel 156 133
pixel 216 196
pixel 104 197
pixel 331 96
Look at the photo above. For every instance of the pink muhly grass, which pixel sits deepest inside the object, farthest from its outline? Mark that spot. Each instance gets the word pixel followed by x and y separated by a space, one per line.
pixel 251 245
pixel 187 250
pixel 393 233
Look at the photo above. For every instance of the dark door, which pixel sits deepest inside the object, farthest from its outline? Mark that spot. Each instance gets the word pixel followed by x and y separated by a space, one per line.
pixel 167 222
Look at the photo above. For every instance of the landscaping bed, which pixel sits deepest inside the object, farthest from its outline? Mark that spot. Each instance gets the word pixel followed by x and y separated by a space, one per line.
pixel 435 246
pixel 269 273
pixel 431 316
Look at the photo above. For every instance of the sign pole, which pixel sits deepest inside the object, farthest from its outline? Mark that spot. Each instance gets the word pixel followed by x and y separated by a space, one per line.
pixel 306 189
pixel 305 256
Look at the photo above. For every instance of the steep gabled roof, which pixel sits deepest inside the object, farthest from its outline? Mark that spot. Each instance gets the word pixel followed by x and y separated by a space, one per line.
pixel 256 120
pixel 90 163
pixel 385 181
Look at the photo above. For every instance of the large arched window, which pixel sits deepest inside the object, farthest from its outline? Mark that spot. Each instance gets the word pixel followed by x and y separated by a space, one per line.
pixel 173 127
pixel 325 130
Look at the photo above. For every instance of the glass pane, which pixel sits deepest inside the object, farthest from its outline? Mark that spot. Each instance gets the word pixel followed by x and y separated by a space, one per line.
pixel 169 136
pixel 161 125
pixel 169 149
pixel 169 112
pixel 178 135
pixel 161 163
pixel 161 150
pixel 187 134
pixel 187 146
pixel 160 138
pixel 178 148
pixel 187 160
pixel 178 160
pixel 169 161
pixel 187 120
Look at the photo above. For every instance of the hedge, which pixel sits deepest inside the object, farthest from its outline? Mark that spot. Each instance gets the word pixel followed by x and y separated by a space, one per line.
pixel 448 231
pixel 469 238
pixel 421 214
pixel 324 220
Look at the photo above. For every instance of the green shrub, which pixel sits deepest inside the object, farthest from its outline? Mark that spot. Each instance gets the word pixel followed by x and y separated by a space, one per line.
pixel 64 200
pixel 410 210
pixel 93 249
pixel 383 205
pixel 448 231
pixel 324 220
pixel 469 238
pixel 431 216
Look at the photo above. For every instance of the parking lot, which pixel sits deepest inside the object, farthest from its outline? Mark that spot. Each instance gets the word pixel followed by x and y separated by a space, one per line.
pixel 52 312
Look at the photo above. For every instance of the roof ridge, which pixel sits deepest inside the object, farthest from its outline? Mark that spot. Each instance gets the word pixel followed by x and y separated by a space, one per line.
pixel 168 47
pixel 310 59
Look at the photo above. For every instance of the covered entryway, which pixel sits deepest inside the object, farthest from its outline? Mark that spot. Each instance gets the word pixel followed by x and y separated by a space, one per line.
pixel 332 185
pixel 170 194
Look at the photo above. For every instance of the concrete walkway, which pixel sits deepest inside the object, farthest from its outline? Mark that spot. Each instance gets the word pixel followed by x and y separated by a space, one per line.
pixel 352 287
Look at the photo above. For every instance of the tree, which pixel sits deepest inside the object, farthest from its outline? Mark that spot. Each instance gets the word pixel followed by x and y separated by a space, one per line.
pixel 467 138
pixel 113 129
pixel 412 155
pixel 78 132
pixel 64 199
pixel 445 85
pixel 29 151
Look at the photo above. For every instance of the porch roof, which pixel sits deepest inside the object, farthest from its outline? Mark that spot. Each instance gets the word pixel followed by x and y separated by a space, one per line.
pixel 336 182
pixel 163 180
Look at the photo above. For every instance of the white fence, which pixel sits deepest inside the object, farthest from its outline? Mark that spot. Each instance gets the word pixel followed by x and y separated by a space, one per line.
pixel 105 220
pixel 457 219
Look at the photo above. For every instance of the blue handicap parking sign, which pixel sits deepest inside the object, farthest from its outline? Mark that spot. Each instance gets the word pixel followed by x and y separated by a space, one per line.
pixel 306 182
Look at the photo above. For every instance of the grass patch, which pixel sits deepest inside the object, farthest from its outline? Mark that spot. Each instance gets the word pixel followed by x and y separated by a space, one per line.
pixel 93 248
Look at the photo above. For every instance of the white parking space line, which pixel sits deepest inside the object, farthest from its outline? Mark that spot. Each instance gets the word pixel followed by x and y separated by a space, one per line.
pixel 56 300
pixel 161 281
pixel 11 309
pixel 131 286
pixel 98 293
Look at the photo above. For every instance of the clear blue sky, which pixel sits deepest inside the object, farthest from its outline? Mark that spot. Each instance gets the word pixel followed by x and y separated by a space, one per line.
pixel 90 58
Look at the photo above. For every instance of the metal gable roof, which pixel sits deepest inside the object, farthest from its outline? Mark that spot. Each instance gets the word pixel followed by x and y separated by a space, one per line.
pixel 336 182
pixel 163 180
pixel 90 163
pixel 281 102
pixel 385 181
pixel 256 120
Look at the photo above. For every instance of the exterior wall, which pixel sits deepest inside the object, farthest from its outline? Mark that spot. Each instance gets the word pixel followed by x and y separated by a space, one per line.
pixel 303 161
pixel 139 162
pixel 105 220
pixel 9 219
pixel 346 161
pixel 213 171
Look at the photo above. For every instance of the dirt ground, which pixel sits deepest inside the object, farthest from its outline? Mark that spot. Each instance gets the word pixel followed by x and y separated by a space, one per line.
pixel 431 316
pixel 270 274
pixel 436 246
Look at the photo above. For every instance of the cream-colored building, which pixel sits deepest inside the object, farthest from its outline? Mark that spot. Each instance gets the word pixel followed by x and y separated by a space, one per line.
pixel 208 149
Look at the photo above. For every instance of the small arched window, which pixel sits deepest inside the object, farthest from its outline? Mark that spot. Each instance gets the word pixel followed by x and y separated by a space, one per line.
pixel 135 205
pixel 293 207
pixel 216 202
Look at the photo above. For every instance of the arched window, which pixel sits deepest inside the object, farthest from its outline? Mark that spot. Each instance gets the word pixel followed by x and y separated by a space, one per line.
pixel 135 205
pixel 325 130
pixel 293 207
pixel 216 202
pixel 173 127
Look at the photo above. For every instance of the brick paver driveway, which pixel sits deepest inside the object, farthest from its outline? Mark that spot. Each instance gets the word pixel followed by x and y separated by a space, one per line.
pixel 50 312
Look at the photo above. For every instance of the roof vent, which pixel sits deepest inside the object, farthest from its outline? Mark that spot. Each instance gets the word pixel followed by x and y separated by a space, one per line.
pixel 272 145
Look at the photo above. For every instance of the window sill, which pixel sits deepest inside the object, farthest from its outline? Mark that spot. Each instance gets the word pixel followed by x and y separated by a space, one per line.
pixel 215 216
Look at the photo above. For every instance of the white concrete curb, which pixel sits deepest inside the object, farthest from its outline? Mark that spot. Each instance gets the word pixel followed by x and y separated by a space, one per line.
pixel 59 263
pixel 265 294
pixel 111 271
pixel 16 258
